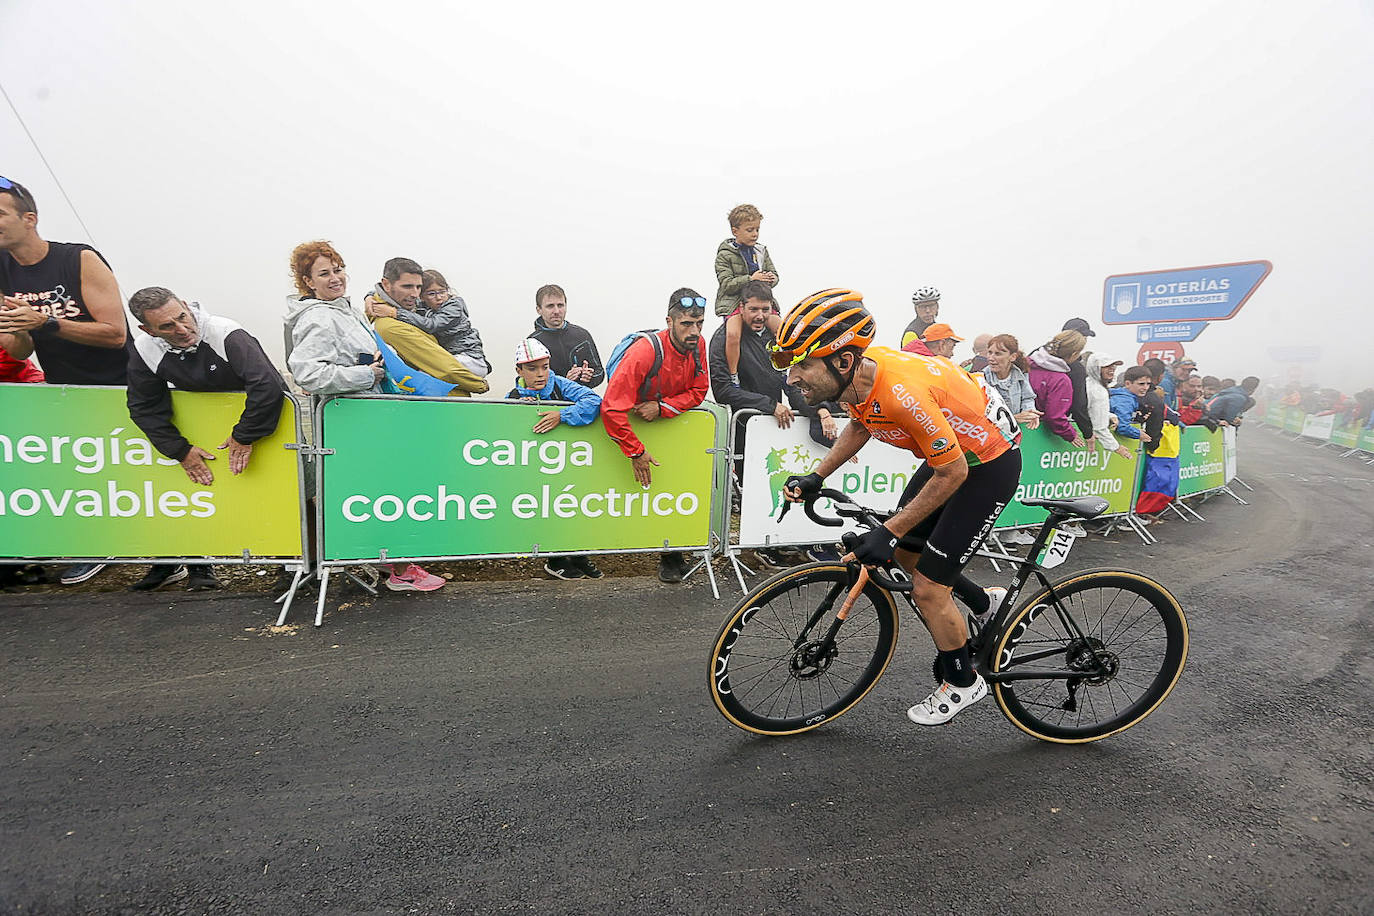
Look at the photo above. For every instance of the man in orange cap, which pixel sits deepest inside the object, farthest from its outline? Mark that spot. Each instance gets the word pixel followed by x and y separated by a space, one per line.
pixel 940 338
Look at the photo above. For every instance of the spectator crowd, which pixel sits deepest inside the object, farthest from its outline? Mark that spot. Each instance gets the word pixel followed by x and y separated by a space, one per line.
pixel 411 333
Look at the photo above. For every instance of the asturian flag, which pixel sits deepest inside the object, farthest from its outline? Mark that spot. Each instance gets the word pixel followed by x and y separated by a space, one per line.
pixel 402 379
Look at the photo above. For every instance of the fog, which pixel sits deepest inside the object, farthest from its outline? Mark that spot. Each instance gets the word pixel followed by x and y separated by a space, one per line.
pixel 1013 155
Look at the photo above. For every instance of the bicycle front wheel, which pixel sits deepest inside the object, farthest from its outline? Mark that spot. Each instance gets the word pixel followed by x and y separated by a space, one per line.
pixel 1096 659
pixel 772 671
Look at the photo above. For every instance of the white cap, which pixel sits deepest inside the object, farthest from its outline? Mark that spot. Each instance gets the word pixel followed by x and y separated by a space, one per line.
pixel 529 350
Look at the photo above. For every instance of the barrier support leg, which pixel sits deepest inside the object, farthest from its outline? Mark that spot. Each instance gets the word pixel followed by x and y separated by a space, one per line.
pixel 324 590
pixel 1243 484
pixel 1183 510
pixel 1135 525
pixel 1001 548
pixel 285 600
pixel 710 572
pixel 738 566
pixel 1229 492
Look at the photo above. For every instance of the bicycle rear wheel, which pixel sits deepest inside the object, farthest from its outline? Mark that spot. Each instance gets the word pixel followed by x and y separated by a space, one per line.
pixel 1110 648
pixel 768 671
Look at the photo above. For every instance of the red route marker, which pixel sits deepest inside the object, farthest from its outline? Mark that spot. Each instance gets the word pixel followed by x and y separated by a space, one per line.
pixel 1167 350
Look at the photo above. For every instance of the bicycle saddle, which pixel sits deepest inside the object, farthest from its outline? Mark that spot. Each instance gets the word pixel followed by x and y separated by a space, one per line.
pixel 1082 506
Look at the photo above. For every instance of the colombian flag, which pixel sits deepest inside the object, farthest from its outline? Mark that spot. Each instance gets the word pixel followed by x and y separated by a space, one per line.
pixel 1160 486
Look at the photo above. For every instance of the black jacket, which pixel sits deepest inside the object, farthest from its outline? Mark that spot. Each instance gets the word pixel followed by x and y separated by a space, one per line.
pixel 1078 411
pixel 761 387
pixel 227 358
pixel 570 346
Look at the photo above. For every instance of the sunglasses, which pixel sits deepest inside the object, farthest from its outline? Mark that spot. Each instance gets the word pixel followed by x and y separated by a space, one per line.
pixel 786 359
pixel 22 192
pixel 692 302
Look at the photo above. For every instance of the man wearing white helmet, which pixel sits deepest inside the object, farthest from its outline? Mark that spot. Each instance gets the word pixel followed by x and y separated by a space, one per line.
pixel 535 382
pixel 926 301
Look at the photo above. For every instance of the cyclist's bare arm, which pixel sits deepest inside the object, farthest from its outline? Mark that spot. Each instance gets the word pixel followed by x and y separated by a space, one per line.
pixel 853 438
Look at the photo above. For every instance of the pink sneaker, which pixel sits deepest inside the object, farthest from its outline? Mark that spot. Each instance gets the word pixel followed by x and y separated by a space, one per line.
pixel 413 579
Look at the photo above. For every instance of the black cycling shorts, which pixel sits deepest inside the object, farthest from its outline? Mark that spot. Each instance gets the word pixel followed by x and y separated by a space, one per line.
pixel 947 538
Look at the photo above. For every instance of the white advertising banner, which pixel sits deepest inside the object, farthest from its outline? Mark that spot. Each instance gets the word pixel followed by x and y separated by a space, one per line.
pixel 772 455
pixel 1318 427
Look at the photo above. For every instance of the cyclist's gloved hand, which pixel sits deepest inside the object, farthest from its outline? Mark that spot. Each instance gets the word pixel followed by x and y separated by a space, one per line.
pixel 809 485
pixel 875 547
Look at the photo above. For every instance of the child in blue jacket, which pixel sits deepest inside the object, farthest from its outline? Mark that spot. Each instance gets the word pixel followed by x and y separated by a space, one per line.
pixel 1125 402
pixel 536 383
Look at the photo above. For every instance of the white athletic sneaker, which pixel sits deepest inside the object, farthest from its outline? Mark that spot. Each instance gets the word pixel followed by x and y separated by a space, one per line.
pixel 1016 536
pixel 995 595
pixel 1075 529
pixel 946 702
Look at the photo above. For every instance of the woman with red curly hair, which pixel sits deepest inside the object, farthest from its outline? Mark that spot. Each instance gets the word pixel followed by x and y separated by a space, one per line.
pixel 329 348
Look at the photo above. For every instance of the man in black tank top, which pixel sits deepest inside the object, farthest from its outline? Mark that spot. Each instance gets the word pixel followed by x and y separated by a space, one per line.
pixel 60 300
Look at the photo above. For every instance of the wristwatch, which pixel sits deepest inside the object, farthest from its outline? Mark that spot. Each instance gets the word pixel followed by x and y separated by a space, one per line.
pixel 47 328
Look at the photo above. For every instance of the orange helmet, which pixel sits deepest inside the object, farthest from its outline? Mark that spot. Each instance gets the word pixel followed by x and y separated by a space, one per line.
pixel 822 324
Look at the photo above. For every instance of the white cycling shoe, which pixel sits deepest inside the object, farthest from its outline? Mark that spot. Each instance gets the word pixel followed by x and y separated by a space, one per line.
pixel 947 702
pixel 977 621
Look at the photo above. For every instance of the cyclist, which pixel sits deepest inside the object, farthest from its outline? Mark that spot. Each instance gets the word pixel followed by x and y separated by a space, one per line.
pixel 964 432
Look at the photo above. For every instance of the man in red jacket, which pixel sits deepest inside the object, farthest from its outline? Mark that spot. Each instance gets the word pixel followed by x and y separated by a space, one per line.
pixel 680 384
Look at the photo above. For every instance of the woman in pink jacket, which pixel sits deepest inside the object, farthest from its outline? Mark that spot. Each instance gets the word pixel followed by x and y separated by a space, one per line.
pixel 1049 379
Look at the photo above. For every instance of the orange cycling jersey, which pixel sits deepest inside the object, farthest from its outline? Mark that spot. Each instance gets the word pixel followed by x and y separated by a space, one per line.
pixel 935 409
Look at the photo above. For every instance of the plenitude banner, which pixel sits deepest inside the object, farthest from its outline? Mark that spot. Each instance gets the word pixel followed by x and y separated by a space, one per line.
pixel 1293 418
pixel 79 479
pixel 875 479
pixel 1365 442
pixel 460 478
pixel 1050 469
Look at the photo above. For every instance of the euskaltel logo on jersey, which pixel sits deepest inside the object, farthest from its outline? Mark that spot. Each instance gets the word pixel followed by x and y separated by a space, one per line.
pixel 939 445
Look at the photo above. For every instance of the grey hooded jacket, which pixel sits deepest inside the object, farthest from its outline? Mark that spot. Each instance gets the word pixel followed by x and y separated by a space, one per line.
pixel 324 341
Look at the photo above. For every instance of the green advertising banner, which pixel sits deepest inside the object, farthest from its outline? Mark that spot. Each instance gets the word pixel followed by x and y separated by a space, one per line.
pixel 460 478
pixel 1365 441
pixel 80 480
pixel 1201 461
pixel 1347 436
pixel 1273 414
pixel 1053 469
pixel 1293 418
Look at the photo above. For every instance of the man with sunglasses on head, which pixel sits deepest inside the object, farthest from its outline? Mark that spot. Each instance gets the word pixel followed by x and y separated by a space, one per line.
pixel 968 440
pixel 62 303
pixel 679 384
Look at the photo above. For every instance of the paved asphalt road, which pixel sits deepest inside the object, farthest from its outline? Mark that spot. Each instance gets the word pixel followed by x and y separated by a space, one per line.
pixel 550 747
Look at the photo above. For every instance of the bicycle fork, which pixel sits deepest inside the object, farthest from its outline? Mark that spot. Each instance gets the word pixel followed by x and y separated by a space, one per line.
pixel 819 651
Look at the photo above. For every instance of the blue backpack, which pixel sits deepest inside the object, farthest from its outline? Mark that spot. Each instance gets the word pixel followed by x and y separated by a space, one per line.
pixel 652 336
pixel 619 352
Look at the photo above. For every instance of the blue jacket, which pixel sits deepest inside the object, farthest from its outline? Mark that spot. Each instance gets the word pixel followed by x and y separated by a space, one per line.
pixel 1170 385
pixel 1124 405
pixel 586 404
pixel 1229 404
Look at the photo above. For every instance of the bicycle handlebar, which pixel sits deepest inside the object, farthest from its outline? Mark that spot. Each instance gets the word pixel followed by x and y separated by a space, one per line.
pixel 879 576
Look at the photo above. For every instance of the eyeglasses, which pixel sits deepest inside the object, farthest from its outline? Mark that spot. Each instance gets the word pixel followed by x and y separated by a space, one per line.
pixel 23 193
pixel 692 302
pixel 434 293
pixel 786 359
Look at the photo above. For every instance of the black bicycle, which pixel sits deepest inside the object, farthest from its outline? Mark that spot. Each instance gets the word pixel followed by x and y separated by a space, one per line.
pixel 1080 659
